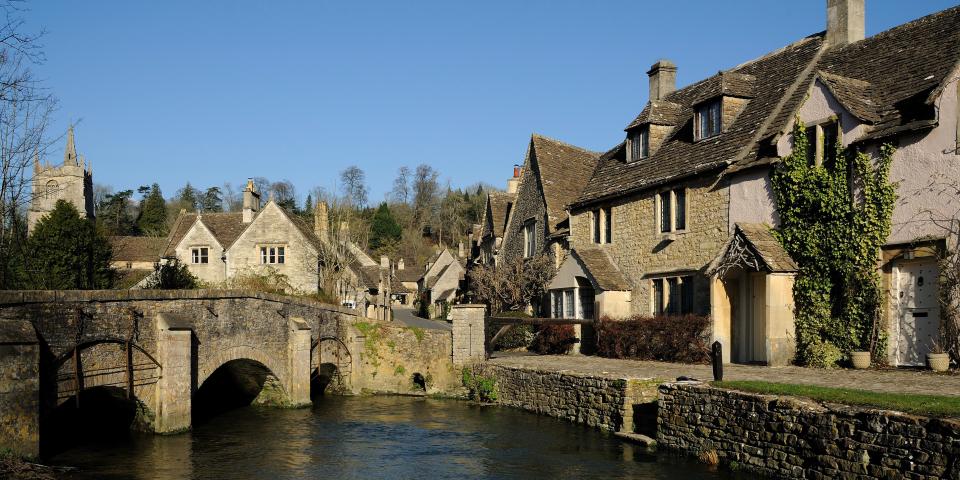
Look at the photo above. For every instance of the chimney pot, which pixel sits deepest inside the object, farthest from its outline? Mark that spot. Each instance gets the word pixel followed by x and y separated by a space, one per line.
pixel 845 21
pixel 384 261
pixel 663 79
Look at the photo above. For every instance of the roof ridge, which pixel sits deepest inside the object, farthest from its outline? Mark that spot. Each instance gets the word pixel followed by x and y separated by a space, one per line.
pixel 566 144
pixel 897 28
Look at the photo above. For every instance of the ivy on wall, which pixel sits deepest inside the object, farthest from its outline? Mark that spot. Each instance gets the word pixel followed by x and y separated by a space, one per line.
pixel 833 221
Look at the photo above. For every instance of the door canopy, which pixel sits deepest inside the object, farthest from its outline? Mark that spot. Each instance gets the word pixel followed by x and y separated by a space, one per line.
pixel 752 247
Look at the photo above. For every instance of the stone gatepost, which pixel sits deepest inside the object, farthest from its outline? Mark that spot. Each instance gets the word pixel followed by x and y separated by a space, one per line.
pixel 468 333
pixel 19 388
pixel 298 362
pixel 175 386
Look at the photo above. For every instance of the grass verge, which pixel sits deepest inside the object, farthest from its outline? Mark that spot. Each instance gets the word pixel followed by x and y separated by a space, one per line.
pixel 929 405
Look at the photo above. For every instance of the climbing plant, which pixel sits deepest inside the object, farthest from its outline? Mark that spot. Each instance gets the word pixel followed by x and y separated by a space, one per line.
pixel 833 220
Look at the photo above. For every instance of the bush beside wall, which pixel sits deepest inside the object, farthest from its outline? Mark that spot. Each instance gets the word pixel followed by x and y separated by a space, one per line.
pixel 684 339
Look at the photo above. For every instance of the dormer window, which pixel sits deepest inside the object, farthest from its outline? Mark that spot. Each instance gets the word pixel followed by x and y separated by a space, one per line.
pixel 639 143
pixel 708 122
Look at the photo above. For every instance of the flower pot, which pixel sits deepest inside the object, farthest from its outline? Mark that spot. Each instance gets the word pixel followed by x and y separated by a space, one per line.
pixel 860 360
pixel 939 362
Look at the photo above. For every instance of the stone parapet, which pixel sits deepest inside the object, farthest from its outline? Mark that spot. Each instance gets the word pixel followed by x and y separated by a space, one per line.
pixel 19 388
pixel 469 341
pixel 785 437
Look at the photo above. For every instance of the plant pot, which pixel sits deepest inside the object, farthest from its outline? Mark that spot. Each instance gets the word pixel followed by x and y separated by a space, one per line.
pixel 860 360
pixel 938 362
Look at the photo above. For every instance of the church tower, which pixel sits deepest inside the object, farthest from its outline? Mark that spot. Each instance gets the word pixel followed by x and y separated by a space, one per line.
pixel 72 181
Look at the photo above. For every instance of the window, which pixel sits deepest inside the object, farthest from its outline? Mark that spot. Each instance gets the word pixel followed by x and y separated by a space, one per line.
pixel 557 303
pixel 608 225
pixel 823 139
pixel 274 254
pixel 53 190
pixel 672 295
pixel 568 304
pixel 596 226
pixel 529 239
pixel 640 144
pixel 708 119
pixel 672 210
pixel 199 255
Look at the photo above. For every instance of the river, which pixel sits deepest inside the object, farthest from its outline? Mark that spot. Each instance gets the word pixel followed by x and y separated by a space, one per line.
pixel 377 438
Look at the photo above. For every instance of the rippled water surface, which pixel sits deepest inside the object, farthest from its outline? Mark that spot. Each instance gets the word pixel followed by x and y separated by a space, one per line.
pixel 378 437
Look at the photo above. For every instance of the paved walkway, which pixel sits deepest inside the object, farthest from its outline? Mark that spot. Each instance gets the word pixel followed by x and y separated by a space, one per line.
pixel 405 316
pixel 890 380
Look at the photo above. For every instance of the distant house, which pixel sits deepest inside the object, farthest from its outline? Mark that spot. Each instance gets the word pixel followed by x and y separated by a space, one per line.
pixel 134 258
pixel 494 222
pixel 221 247
pixel 441 282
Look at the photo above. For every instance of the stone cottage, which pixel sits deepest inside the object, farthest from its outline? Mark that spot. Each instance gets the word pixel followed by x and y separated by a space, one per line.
pixel 71 181
pixel 553 175
pixel 220 247
pixel 441 282
pixel 692 179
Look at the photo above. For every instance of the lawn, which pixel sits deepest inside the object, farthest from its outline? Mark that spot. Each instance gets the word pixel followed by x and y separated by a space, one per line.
pixel 929 405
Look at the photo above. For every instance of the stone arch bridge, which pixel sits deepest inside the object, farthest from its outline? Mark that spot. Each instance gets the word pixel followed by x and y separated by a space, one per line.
pixel 158 348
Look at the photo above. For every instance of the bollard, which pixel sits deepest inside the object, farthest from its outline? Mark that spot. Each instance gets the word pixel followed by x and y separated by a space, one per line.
pixel 716 356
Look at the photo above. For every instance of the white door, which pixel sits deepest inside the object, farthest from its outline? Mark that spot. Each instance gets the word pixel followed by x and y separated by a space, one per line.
pixel 919 311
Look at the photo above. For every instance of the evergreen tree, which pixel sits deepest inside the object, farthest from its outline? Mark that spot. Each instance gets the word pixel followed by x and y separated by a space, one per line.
pixel 115 216
pixel 188 198
pixel 67 251
pixel 211 200
pixel 385 232
pixel 153 211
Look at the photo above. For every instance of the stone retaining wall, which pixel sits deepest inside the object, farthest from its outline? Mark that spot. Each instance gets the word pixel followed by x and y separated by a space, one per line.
pixel 604 402
pixel 787 437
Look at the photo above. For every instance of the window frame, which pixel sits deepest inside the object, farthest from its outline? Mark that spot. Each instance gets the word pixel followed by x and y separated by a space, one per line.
pixel 529 238
pixel 595 226
pixel 272 254
pixel 817 138
pixel 707 107
pixel 672 295
pixel 199 255
pixel 669 199
pixel 639 140
pixel 607 224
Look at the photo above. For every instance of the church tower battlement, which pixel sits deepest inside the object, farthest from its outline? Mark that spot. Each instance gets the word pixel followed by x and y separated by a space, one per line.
pixel 72 181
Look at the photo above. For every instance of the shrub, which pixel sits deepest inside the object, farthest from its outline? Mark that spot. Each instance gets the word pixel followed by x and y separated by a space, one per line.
pixel 172 275
pixel 482 389
pixel 553 339
pixel 823 354
pixel 519 336
pixel 683 339
pixel 267 280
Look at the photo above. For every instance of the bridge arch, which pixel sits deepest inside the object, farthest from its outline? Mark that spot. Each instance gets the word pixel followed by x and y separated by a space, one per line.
pixel 331 364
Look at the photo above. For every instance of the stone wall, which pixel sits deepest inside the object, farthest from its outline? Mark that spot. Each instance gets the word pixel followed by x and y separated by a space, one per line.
pixel 785 437
pixel 393 359
pixel 603 402
pixel 642 252
pixel 19 387
pixel 529 206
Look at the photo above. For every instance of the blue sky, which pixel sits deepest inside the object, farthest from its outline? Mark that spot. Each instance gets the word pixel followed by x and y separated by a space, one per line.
pixel 218 91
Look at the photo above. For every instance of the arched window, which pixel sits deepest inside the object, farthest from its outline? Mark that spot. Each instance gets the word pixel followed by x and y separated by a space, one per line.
pixel 53 190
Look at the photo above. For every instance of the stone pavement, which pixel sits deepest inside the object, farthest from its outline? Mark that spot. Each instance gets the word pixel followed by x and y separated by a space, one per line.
pixel 888 380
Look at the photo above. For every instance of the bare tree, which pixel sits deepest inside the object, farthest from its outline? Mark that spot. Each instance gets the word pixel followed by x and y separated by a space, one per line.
pixel 401 186
pixel 512 285
pixel 353 184
pixel 232 199
pixel 425 189
pixel 25 110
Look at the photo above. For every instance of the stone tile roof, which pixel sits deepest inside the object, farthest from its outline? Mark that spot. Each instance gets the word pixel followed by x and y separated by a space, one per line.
pixel 396 285
pixel 129 277
pixel 500 203
pixel 563 170
pixel 658 112
pixel 857 96
pixel 602 268
pixel 225 227
pixel 769 80
pixel 369 276
pixel 137 249
pixel 767 247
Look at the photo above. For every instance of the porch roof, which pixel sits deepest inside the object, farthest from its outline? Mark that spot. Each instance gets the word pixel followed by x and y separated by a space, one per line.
pixel 758 243
pixel 599 265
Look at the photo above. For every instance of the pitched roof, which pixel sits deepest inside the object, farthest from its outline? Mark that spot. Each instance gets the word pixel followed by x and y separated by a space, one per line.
pixel 563 170
pixel 137 249
pixel 857 96
pixel 225 227
pixel 770 81
pixel 758 249
pixel 601 267
pixel 499 210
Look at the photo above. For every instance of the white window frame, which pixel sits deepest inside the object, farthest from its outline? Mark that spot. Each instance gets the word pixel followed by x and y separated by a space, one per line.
pixel 639 141
pixel 673 217
pixel 698 120
pixel 199 255
pixel 272 254
pixel 681 281
pixel 529 238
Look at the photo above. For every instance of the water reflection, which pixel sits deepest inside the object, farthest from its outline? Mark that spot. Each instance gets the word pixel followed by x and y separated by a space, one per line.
pixel 378 437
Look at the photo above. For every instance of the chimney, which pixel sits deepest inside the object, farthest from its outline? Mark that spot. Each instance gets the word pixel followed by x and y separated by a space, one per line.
pixel 514 181
pixel 384 261
pixel 251 201
pixel 460 253
pixel 400 264
pixel 663 79
pixel 344 233
pixel 845 22
pixel 321 225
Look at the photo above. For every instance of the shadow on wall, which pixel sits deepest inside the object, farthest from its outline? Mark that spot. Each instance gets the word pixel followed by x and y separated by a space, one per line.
pixel 236 384
pixel 320 379
pixel 101 414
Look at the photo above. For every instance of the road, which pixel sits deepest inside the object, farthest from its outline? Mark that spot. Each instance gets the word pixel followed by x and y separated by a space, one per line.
pixel 406 316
